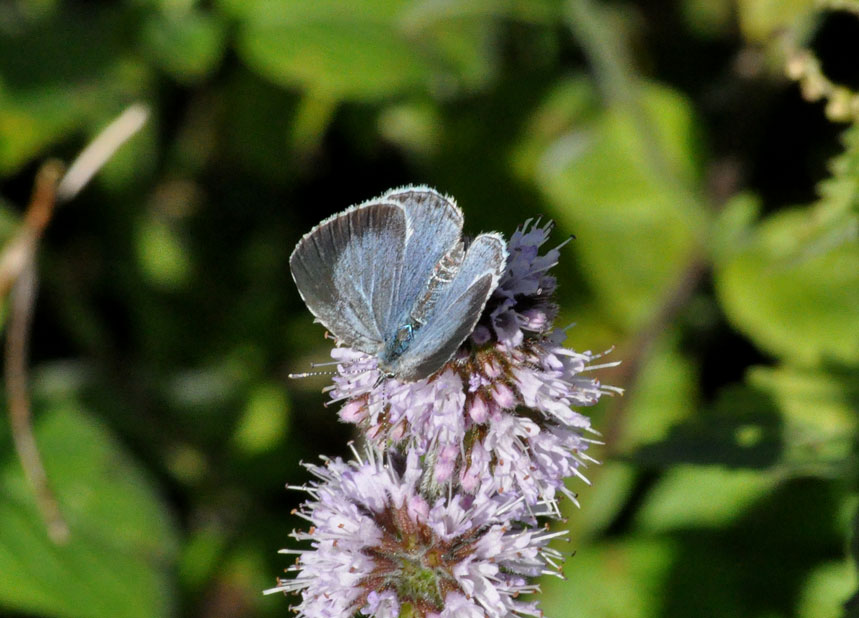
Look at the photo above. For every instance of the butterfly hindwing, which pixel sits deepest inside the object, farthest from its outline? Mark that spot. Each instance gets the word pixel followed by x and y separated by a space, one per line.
pixel 456 310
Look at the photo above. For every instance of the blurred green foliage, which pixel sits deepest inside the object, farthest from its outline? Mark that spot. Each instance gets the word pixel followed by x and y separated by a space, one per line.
pixel 716 215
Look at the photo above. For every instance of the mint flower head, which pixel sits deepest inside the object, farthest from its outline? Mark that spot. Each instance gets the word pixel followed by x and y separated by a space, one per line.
pixel 442 516
pixel 500 413
pixel 382 545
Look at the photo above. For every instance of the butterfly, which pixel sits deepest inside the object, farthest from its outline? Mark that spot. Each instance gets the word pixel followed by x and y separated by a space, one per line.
pixel 394 278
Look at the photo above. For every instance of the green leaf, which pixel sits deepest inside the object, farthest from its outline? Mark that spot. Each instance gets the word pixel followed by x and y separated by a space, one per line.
pixel 836 215
pixel 732 227
pixel 161 253
pixel 360 59
pixel 610 579
pixel 628 199
pixel 792 282
pixel 819 415
pixel 804 308
pixel 791 420
pixel 554 126
pixel 763 556
pixel 743 429
pixel 117 561
pixel 696 497
pixel 264 422
pixel 201 557
pixel 57 76
pixel 467 47
pixel 187 44
pixel 665 393
pixel 760 19
pixel 825 591
pixel 612 482
pixel 374 49
pixel 851 606
pixel 709 18
pixel 414 127
pixel 298 11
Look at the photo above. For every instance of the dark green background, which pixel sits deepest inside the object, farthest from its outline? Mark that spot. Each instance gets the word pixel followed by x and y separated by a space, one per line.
pixel 716 219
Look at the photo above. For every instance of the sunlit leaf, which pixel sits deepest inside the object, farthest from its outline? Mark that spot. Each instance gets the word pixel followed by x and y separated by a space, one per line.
pixel 628 200
pixel 836 214
pixel 375 49
pixel 743 429
pixel 826 591
pixel 693 496
pixel 610 579
pixel 161 253
pixel 414 127
pixel 664 394
pixel 265 420
pixel 554 126
pixel 339 58
pixel 801 308
pixel 760 19
pixel 819 414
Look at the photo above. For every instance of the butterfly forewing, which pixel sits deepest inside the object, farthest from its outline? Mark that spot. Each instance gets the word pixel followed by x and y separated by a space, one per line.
pixel 347 267
pixel 434 227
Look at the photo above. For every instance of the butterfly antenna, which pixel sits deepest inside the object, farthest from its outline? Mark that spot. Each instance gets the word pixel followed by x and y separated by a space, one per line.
pixel 310 374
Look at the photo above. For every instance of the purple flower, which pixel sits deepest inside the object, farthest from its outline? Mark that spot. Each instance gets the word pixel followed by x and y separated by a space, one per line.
pixel 381 542
pixel 523 302
pixel 500 413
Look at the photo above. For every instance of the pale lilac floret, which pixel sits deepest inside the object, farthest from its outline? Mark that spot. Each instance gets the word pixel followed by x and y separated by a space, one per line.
pixel 469 415
pixel 531 454
pixel 525 277
pixel 389 410
pixel 376 542
pixel 449 528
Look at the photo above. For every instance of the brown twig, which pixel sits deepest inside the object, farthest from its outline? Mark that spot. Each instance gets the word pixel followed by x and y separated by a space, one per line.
pixel 18 275
pixel 636 355
pixel 22 277
pixel 17 379
pixel 18 254
pixel 613 63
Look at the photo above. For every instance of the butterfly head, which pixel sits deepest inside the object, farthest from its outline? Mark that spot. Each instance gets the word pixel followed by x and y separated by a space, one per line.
pixel 395 347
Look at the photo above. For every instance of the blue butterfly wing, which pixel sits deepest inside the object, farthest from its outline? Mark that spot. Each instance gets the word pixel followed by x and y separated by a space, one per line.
pixel 456 309
pixel 347 269
pixel 434 226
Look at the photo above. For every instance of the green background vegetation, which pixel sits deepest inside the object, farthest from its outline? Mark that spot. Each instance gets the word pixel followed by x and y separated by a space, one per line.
pixel 716 216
